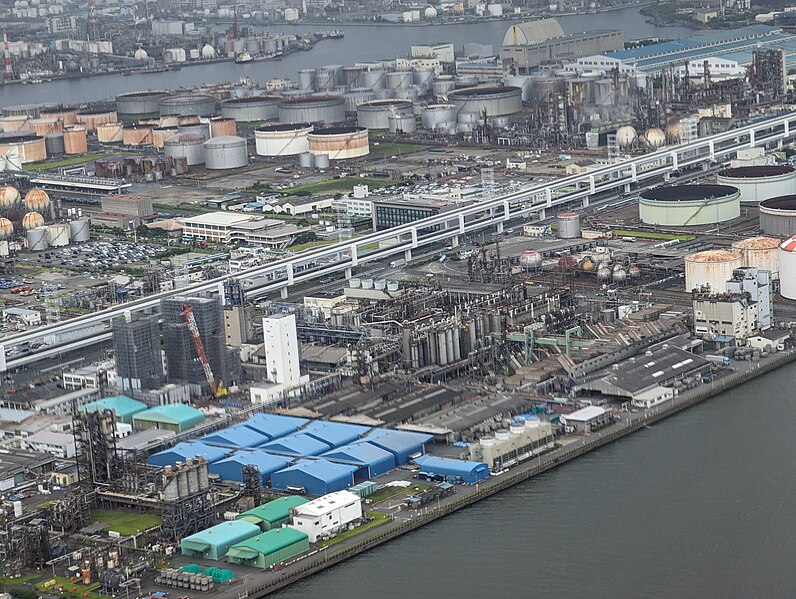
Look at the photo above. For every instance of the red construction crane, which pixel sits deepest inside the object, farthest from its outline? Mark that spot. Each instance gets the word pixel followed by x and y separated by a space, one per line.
pixel 187 314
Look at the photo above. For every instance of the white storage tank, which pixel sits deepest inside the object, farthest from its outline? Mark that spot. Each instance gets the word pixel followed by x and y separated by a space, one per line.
pixel 399 79
pixel 778 216
pixel 322 161
pixel 226 151
pixel 79 231
pixel 58 235
pixel 494 101
pixel 306 80
pixel 568 225
pixel 312 109
pixel 37 239
pixel 689 205
pixel 402 123
pixel 758 183
pixel 282 140
pixel 437 116
pixel 711 268
pixel 186 145
pixel 357 96
pixel 376 113
pixel 787 268
pixel 760 252
pixel 306 160
pixel 374 79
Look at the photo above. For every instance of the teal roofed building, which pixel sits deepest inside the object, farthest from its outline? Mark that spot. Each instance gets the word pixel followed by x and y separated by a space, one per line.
pixel 269 548
pixel 214 542
pixel 122 406
pixel 274 513
pixel 176 417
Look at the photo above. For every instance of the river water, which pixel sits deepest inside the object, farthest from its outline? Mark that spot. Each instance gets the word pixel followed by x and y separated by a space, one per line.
pixel 361 43
pixel 699 505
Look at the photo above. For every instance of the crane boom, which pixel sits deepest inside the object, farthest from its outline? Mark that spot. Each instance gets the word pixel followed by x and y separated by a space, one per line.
pixel 187 315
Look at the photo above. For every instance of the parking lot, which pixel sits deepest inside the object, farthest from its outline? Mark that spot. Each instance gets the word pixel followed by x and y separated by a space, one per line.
pixel 96 256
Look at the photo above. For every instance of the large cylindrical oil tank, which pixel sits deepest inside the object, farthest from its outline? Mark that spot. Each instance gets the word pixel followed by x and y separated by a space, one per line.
pixel 186 145
pixel 443 85
pixel 140 102
pixel 54 143
pixel 352 76
pixel 75 141
pixel 568 225
pixel 521 81
pixel 134 135
pixel 424 80
pixel 90 119
pixel 312 109
pixel 225 152
pixel 376 113
pixel 402 123
pixel 29 110
pixel 494 101
pixel 787 268
pixel 357 96
pixel 328 77
pixel 58 235
pixel 202 129
pixel 43 126
pixel 407 93
pixel 161 134
pixel 758 183
pixel 253 109
pixel 37 239
pixel 374 79
pixel 438 115
pixel 194 104
pixel 31 147
pixel 306 80
pixel 711 268
pixel 339 143
pixel 66 114
pixel 399 79
pixel 78 231
pixel 187 120
pixel 110 133
pixel 778 216
pixel 689 205
pixel 282 140
pixel 12 124
pixel 760 252
pixel 223 127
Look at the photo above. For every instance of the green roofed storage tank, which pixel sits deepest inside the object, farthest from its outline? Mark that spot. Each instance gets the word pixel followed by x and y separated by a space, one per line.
pixel 272 514
pixel 176 417
pixel 269 548
pixel 122 406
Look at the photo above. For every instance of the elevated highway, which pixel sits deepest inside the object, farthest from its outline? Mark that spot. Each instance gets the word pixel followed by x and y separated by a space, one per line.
pixel 534 201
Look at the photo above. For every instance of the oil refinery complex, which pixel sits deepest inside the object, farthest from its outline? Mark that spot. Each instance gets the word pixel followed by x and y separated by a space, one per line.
pixel 248 331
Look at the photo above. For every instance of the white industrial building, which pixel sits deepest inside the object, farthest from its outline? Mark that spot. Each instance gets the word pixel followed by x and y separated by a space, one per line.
pixel 61 445
pixel 327 515
pixel 520 442
pixel 28 318
pixel 236 228
pixel 586 420
pixel 282 349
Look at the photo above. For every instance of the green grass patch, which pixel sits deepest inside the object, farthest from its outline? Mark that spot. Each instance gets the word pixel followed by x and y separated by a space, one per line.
pixel 45 166
pixel 25 578
pixel 388 492
pixel 388 148
pixel 310 244
pixel 79 589
pixel 369 247
pixel 651 235
pixel 344 185
pixel 125 522
pixel 376 519
pixel 190 208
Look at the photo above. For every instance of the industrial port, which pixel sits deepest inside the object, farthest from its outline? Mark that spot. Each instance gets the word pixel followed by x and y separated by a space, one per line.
pixel 252 329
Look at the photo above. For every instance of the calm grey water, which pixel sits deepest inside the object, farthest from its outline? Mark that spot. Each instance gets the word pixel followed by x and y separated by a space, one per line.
pixel 700 505
pixel 360 43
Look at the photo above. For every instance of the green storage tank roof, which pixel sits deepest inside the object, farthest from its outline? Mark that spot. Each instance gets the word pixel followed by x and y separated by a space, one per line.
pixel 180 414
pixel 268 542
pixel 124 407
pixel 273 511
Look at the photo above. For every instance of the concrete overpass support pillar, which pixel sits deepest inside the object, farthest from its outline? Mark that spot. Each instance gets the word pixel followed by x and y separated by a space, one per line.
pixel 499 226
pixel 289 268
pixel 633 172
pixel 220 288
pixel 712 149
pixel 626 188
pixel 549 196
pixel 354 255
pixel 349 272
pixel 3 366
pixel 585 203
pixel 786 128
pixel 461 224
pixel 455 241
pixel 414 237
pixel 592 184
pixel 408 256
pixel 674 160
pixel 542 214
pixel 283 293
pixel 506 210
pixel 752 138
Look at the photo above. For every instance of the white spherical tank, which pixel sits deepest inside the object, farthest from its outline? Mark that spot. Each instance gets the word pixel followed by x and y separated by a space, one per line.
pixel 654 138
pixel 787 268
pixel 430 13
pixel 6 228
pixel 530 259
pixel 282 140
pixel 711 268
pixel 9 197
pixel 759 183
pixel 32 220
pixel 37 200
pixel 626 136
pixel 208 52
pixel 141 54
pixel 225 152
pixel 760 252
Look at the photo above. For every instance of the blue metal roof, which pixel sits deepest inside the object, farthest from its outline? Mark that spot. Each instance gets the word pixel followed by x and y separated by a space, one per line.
pixel 377 460
pixel 469 472
pixel 298 445
pixel 334 433
pixel 231 468
pixel 274 426
pixel 235 436
pixel 318 477
pixel 187 449
pixel 401 444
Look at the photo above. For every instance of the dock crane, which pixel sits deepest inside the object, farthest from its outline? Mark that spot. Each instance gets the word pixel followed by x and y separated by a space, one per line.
pixel 217 389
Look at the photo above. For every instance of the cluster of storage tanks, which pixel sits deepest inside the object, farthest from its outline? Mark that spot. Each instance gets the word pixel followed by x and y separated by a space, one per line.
pixel 29 217
pixel 714 267
pixel 599 263
pixel 35 133
pixel 340 80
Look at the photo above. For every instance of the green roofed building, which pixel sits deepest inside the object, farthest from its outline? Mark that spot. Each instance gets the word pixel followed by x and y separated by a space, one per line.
pixel 269 548
pixel 272 514
pixel 122 406
pixel 214 542
pixel 176 417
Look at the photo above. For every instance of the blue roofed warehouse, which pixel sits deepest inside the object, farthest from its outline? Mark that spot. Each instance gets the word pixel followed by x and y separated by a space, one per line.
pixel 231 468
pixel 373 459
pixel 187 449
pixel 298 445
pixel 316 477
pixel 402 444
pixel 468 472
pixel 274 426
pixel 235 436
pixel 334 434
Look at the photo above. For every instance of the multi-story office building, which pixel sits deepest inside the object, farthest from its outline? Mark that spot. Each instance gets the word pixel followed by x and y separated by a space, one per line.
pixel 136 345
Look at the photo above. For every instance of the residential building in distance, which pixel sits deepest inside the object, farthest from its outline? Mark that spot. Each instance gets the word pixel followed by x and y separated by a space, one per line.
pixel 136 346
pixel 282 349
